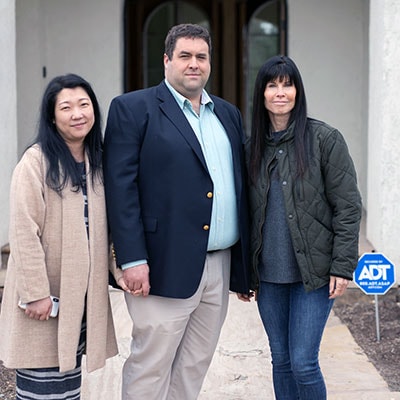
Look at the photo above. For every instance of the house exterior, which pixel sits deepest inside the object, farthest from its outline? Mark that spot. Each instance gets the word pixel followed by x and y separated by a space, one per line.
pixel 347 50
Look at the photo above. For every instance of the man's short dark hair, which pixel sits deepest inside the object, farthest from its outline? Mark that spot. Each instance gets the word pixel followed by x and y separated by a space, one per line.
pixel 191 31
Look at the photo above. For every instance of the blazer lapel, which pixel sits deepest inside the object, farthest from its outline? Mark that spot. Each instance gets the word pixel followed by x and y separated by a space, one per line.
pixel 170 108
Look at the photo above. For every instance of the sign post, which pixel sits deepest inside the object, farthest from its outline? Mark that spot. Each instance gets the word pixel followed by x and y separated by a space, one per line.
pixel 375 274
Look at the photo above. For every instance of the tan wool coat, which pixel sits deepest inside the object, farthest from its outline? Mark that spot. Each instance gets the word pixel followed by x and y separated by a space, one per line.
pixel 50 254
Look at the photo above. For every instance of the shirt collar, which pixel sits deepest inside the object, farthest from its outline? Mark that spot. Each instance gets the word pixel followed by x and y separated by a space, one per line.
pixel 182 100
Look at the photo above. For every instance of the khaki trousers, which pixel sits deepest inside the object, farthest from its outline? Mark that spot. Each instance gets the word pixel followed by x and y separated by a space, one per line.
pixel 173 340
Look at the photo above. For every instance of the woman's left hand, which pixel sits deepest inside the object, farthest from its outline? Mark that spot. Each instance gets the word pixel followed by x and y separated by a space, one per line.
pixel 337 286
pixel 40 309
pixel 123 285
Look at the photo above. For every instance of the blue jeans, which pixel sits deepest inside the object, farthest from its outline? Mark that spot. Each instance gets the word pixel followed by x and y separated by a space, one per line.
pixel 294 321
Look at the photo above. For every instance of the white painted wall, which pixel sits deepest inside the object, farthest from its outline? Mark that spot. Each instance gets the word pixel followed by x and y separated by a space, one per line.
pixel 383 218
pixel 30 55
pixel 8 110
pixel 328 41
pixel 83 37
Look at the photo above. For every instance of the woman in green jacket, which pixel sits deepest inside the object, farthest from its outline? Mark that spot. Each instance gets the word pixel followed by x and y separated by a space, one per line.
pixel 306 211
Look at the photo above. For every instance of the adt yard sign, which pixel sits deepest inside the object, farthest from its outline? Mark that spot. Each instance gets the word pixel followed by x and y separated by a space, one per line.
pixel 374 273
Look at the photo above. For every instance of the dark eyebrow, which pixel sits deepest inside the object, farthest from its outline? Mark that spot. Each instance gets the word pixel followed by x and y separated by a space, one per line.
pixel 64 102
pixel 188 53
pixel 68 101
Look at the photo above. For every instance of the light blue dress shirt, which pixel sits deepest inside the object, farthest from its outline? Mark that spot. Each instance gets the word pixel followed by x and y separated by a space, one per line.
pixel 217 151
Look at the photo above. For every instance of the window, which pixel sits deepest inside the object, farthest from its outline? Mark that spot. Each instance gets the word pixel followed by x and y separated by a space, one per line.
pixel 264 39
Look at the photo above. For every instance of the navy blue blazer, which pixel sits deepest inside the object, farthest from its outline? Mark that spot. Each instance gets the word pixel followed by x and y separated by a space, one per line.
pixel 158 190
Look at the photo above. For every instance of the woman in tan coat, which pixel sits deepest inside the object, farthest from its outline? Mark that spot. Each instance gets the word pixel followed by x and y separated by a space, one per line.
pixel 59 247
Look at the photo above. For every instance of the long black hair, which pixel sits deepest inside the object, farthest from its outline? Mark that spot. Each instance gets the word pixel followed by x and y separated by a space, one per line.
pixel 61 164
pixel 278 68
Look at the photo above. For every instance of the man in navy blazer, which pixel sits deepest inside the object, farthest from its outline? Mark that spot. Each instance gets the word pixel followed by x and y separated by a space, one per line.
pixel 176 201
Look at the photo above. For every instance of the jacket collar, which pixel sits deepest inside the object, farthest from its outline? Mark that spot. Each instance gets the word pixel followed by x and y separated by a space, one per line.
pixel 287 136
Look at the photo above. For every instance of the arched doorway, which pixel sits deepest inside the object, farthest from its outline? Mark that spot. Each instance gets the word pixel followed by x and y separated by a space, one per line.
pixel 244 34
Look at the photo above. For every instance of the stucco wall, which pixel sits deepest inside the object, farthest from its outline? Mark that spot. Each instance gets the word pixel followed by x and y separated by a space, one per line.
pixel 8 112
pixel 84 37
pixel 383 218
pixel 328 41
pixel 30 54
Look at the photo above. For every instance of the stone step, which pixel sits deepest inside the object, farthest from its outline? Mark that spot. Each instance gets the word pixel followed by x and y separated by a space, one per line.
pixel 2 276
pixel 5 252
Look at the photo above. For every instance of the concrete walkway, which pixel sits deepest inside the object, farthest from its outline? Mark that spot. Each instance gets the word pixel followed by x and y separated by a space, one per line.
pixel 241 367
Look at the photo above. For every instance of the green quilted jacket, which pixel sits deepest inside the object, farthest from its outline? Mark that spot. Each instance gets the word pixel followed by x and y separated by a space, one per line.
pixel 323 208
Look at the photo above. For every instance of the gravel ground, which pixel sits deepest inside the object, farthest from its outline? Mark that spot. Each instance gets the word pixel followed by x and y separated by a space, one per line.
pixel 7 384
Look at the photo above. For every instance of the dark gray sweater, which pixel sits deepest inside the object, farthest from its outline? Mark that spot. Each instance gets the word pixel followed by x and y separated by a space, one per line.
pixel 277 260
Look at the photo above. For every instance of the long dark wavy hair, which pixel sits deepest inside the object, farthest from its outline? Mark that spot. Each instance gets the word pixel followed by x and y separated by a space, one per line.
pixel 278 68
pixel 62 167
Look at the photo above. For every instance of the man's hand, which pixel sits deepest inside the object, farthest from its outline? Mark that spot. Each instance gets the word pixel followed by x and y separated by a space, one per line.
pixel 137 280
pixel 245 296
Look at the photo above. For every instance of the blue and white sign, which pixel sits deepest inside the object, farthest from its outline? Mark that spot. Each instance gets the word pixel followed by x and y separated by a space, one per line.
pixel 375 274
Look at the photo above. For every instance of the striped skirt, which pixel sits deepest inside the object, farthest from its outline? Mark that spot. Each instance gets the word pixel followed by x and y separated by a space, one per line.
pixel 49 383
